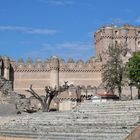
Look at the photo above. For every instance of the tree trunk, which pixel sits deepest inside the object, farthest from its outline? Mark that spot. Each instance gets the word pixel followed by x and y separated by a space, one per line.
pixel 47 104
pixel 119 91
pixel 138 93
pixel 131 91
pixel 43 107
pixel 46 108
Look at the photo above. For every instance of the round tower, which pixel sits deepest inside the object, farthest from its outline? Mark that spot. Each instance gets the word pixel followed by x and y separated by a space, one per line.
pixel 54 73
pixel 107 35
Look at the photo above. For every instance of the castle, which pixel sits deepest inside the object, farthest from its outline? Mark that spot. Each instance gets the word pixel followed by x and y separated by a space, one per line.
pixel 55 71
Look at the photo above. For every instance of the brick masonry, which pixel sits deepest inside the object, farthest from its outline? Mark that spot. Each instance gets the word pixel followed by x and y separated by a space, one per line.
pixel 55 71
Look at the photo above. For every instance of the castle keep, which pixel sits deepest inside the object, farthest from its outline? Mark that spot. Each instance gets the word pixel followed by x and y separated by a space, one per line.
pixel 55 71
pixel 129 35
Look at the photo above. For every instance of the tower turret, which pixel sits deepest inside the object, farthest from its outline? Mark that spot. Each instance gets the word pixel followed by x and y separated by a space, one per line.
pixel 54 75
pixel 6 61
pixel 0 66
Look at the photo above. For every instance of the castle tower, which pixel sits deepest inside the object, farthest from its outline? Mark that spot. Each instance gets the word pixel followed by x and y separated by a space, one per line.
pixel 113 34
pixel 0 66
pixel 6 61
pixel 54 74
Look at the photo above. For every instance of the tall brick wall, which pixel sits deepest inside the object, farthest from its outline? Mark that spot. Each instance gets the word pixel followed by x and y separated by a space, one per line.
pixel 22 81
pixel 79 73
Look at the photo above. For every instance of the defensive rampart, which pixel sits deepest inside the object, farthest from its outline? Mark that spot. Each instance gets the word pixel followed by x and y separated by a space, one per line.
pixel 54 72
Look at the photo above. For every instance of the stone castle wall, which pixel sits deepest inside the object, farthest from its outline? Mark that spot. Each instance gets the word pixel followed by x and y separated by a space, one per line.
pixel 54 72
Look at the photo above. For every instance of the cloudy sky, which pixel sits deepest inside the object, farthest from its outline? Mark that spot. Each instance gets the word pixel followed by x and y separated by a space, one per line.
pixel 43 28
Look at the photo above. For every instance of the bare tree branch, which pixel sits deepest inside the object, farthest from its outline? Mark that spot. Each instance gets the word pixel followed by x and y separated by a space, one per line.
pixel 50 93
pixel 34 93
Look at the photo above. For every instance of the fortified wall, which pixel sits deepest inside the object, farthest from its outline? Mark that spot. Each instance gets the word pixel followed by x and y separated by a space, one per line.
pixel 54 71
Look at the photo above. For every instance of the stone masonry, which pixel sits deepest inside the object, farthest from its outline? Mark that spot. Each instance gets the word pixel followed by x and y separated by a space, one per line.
pixel 88 121
pixel 54 71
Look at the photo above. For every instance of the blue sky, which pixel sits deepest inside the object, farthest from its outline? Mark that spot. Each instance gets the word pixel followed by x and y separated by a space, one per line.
pixel 43 28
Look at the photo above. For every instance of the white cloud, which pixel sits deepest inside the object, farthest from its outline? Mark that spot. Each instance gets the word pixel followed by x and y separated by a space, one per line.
pixel 29 30
pixel 63 50
pixel 26 42
pixel 58 2
pixel 68 46
pixel 118 21
pixel 128 11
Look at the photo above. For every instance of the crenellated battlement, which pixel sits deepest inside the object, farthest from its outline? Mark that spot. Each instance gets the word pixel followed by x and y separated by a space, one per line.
pixel 114 32
pixel 70 66
pixel 53 72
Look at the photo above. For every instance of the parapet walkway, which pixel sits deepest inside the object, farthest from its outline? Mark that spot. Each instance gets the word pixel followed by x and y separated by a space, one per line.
pixel 89 121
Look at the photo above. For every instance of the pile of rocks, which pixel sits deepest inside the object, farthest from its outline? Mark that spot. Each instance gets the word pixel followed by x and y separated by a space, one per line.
pixel 12 102
pixel 89 121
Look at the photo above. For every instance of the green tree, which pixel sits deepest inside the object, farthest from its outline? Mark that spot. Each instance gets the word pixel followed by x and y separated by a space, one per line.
pixel 134 71
pixel 114 68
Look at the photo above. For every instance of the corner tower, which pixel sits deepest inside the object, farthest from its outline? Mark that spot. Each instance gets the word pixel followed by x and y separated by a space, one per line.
pixel 113 34
pixel 54 72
